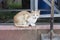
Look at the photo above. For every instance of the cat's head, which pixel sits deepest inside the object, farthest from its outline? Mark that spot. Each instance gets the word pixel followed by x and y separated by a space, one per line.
pixel 36 14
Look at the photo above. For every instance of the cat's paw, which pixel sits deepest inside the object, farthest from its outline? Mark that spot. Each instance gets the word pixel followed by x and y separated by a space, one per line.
pixel 32 24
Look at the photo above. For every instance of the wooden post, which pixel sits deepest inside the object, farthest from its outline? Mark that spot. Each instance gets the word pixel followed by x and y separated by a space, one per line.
pixel 52 19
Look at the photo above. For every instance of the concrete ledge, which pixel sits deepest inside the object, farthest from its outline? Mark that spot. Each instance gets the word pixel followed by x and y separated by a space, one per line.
pixel 12 27
pixel 9 32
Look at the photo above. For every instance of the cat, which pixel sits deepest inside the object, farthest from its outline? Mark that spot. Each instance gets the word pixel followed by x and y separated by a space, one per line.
pixel 25 18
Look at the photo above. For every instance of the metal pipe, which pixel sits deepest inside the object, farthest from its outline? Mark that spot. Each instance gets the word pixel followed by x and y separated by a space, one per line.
pixel 34 4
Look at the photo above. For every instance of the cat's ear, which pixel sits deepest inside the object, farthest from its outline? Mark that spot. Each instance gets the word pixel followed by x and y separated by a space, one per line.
pixel 37 11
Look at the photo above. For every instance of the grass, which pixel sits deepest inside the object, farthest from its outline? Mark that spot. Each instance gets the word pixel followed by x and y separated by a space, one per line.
pixel 13 5
pixel 4 16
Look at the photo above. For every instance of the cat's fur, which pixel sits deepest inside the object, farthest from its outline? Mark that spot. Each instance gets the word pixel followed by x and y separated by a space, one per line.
pixel 24 18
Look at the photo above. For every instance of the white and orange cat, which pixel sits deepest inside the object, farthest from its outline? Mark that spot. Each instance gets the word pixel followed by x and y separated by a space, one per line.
pixel 24 18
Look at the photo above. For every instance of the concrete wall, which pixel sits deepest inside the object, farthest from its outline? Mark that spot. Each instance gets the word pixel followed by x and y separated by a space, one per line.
pixel 18 35
pixel 22 34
